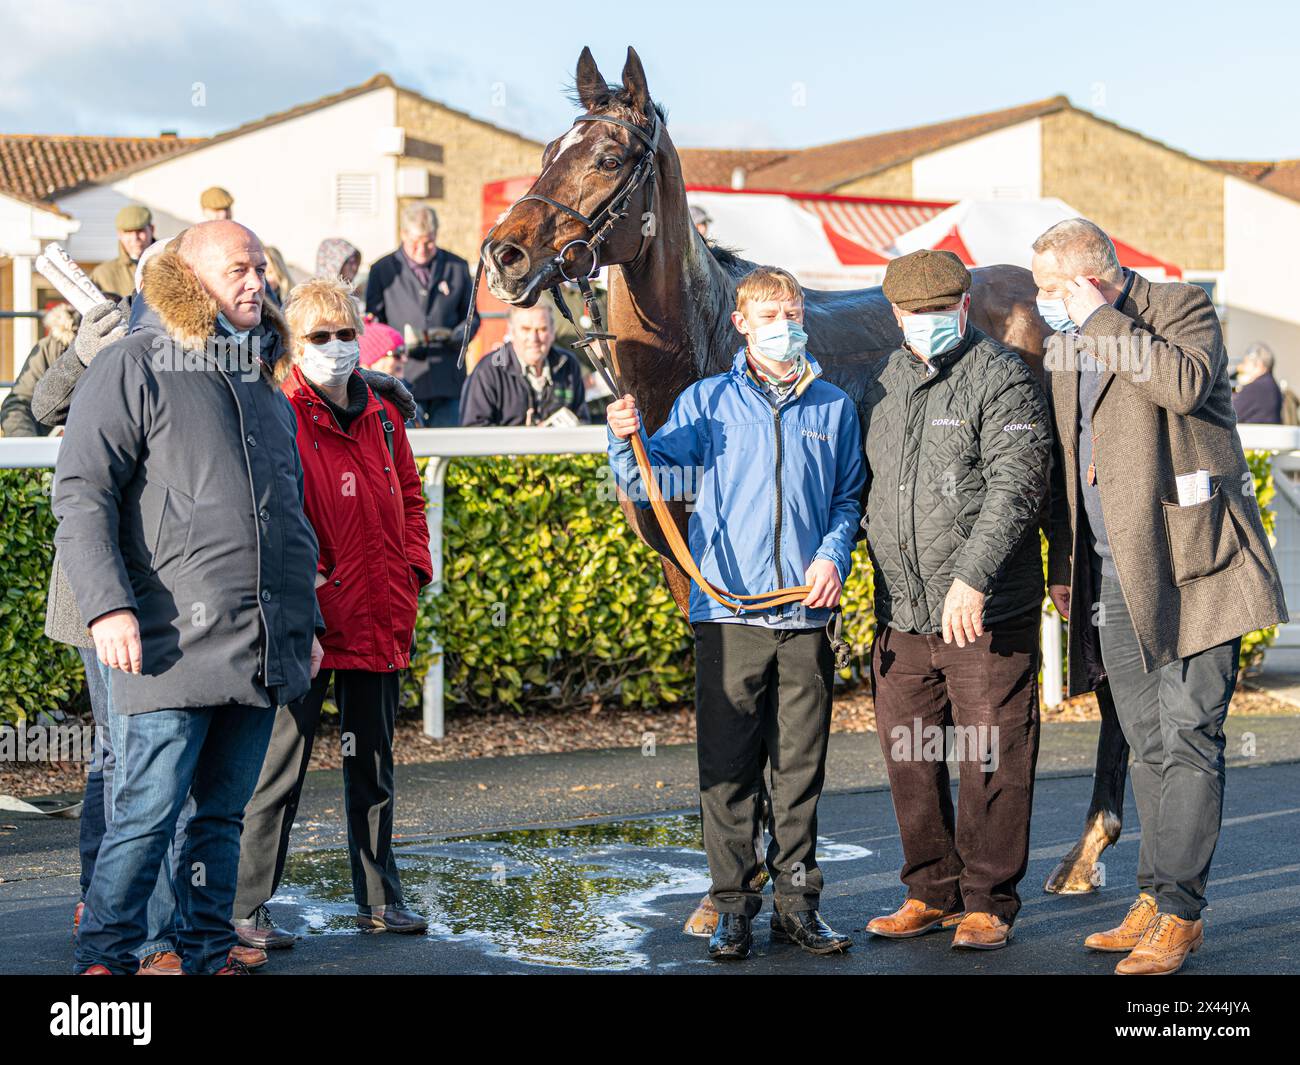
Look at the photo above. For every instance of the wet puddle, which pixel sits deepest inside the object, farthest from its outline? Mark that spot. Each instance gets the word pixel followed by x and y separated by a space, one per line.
pixel 579 897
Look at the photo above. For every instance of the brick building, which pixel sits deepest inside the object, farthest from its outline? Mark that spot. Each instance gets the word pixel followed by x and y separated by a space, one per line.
pixel 1231 226
pixel 340 166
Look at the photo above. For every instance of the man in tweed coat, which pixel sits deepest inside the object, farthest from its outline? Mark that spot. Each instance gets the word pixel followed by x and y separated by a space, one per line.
pixel 1158 591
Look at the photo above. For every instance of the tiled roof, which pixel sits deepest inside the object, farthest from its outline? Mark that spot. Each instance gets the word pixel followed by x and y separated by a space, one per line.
pixel 715 166
pixel 40 167
pixel 1282 176
pixel 826 167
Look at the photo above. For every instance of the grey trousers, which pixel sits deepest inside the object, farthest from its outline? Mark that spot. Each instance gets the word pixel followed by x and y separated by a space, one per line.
pixel 762 696
pixel 1173 718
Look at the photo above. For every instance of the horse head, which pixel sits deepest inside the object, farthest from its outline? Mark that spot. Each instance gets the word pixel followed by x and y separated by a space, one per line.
pixel 592 204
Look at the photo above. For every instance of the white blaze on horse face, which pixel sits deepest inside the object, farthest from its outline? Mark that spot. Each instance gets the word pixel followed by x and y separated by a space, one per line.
pixel 566 142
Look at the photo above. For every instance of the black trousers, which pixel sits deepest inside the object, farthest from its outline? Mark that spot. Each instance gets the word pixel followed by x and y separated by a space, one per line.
pixel 762 696
pixel 368 710
pixel 1173 719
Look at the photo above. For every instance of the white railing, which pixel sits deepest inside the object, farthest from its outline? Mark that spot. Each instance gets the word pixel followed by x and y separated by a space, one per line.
pixel 441 445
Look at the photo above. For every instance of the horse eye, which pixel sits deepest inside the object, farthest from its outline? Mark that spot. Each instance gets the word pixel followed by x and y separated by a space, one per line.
pixel 610 163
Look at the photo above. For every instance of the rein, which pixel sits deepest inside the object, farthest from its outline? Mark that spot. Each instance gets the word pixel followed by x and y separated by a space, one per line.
pixel 596 343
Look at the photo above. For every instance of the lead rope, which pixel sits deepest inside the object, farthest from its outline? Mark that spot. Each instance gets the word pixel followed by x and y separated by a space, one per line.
pixel 594 341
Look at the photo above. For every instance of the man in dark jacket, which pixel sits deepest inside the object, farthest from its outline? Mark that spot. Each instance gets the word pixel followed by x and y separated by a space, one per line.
pixel 1258 398
pixel 423 292
pixel 527 380
pixel 181 531
pixel 958 454
pixel 16 416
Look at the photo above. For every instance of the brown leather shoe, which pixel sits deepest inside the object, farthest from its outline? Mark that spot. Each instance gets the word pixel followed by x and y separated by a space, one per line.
pixel 252 957
pixel 161 963
pixel 1164 947
pixel 1125 936
pixel 913 918
pixel 981 931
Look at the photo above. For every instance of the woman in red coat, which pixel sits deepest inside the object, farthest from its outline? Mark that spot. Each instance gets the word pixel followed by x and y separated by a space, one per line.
pixel 362 496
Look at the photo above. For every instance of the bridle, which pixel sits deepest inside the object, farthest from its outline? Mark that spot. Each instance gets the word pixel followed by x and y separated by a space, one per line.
pixel 599 227
pixel 596 343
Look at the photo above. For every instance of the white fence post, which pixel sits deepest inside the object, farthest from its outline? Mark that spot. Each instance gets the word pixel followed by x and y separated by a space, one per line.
pixel 434 480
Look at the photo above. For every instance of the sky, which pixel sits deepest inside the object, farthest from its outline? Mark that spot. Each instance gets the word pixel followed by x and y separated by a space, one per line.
pixel 1217 80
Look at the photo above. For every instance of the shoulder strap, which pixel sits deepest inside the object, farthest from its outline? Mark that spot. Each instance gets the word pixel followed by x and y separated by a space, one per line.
pixel 387 423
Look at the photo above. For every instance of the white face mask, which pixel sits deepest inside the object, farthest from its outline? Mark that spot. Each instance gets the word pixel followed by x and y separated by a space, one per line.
pixel 330 364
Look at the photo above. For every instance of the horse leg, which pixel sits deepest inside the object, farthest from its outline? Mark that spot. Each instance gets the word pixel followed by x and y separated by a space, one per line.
pixel 1078 873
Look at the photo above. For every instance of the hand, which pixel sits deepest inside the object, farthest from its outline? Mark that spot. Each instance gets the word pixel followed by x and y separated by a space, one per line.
pixel 622 417
pixel 1082 298
pixel 317 656
pixel 391 389
pixel 1060 596
pixel 824 577
pixel 963 614
pixel 100 326
pixel 439 336
pixel 117 640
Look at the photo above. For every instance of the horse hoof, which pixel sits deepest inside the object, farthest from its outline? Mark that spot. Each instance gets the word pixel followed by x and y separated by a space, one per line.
pixel 1072 878
pixel 703 921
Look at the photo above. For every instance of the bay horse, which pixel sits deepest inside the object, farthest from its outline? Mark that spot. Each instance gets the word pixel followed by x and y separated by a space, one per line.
pixel 670 299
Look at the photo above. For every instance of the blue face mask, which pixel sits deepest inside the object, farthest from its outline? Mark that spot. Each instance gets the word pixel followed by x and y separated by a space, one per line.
pixel 933 333
pixel 1054 314
pixel 780 341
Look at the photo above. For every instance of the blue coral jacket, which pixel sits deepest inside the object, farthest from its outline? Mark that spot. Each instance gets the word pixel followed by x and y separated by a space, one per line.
pixel 770 487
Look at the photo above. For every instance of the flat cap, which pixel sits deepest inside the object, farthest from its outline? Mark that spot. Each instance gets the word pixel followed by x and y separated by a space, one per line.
pixel 216 199
pixel 924 279
pixel 132 217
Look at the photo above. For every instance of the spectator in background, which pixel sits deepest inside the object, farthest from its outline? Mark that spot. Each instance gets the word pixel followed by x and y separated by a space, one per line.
pixel 423 291
pixel 278 279
pixel 374 559
pixel 701 220
pixel 337 259
pixel 116 278
pixel 1258 397
pixel 16 417
pixel 382 348
pixel 217 204
pixel 528 379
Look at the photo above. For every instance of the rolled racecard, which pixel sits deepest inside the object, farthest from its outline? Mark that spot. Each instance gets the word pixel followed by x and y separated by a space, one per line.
pixel 69 278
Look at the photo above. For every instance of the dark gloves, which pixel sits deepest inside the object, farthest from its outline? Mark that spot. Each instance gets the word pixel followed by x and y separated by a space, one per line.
pixel 100 326
pixel 391 389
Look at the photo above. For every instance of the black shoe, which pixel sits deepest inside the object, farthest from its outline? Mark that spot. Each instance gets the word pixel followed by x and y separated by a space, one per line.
pixel 732 939
pixel 807 929
pixel 390 919
pixel 260 932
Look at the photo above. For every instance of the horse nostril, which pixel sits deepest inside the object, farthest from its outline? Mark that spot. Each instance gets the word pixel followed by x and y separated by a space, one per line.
pixel 508 255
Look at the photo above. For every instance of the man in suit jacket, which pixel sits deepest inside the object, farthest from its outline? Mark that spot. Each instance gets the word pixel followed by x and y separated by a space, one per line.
pixel 1158 589
pixel 423 292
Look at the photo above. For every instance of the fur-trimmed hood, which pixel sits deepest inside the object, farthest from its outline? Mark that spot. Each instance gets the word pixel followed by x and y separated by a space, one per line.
pixel 187 312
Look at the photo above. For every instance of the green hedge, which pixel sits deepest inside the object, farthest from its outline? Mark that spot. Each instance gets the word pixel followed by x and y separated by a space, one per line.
pixel 37 676
pixel 550 599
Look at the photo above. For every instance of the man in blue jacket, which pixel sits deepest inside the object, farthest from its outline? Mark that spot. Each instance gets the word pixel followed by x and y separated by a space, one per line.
pixel 771 455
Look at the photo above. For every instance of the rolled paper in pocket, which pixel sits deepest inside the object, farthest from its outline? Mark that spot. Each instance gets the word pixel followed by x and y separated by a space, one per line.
pixel 1202 538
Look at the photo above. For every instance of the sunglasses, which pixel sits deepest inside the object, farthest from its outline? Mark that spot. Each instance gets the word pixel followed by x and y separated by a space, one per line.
pixel 322 336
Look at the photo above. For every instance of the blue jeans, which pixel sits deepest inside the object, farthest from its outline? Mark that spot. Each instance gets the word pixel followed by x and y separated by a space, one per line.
pixel 215 754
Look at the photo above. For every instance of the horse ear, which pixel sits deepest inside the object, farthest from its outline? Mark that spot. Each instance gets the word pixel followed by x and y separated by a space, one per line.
pixel 634 82
pixel 593 90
